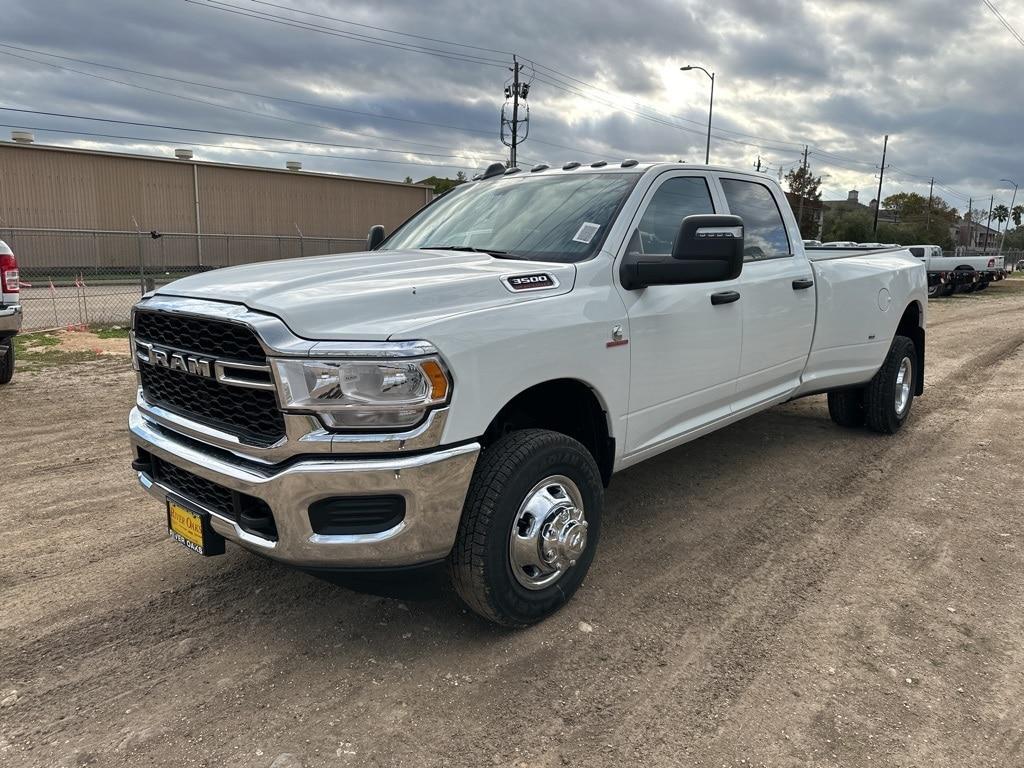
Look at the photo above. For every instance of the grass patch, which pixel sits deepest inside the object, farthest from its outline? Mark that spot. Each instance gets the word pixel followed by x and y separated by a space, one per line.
pixel 111 332
pixel 36 351
pixel 25 341
pixel 41 360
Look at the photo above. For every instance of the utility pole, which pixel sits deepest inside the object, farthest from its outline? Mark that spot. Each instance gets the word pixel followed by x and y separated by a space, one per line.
pixel 988 221
pixel 928 222
pixel 515 112
pixel 970 221
pixel 881 175
pixel 800 213
pixel 515 90
pixel 1013 201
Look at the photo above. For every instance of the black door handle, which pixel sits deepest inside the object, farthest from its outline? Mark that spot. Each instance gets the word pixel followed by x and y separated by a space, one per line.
pixel 725 297
pixel 802 282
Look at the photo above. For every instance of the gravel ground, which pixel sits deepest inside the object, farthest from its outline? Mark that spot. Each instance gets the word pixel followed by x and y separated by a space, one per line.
pixel 780 593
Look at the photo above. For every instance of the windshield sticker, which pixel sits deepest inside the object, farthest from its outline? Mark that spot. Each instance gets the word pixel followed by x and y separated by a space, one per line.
pixel 586 232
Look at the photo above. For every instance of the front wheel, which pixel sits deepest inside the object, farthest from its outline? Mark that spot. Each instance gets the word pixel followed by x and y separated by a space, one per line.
pixel 6 360
pixel 529 527
pixel 889 395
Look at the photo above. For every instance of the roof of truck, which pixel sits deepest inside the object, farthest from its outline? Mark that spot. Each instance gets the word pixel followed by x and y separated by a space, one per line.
pixel 624 166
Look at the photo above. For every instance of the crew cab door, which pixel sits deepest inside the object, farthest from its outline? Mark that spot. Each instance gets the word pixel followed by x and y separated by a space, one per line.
pixel 684 350
pixel 777 285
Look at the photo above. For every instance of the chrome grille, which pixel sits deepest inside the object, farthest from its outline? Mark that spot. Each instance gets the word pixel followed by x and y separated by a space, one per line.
pixel 229 341
pixel 251 415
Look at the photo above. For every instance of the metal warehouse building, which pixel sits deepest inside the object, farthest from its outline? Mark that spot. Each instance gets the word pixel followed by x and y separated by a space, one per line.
pixel 66 209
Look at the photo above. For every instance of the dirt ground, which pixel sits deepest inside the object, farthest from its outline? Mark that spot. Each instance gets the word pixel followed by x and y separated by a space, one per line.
pixel 780 593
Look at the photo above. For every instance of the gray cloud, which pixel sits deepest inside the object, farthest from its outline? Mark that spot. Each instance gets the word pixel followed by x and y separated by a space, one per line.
pixel 941 79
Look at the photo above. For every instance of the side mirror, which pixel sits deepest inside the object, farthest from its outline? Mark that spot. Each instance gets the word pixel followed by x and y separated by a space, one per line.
pixel 375 237
pixel 707 249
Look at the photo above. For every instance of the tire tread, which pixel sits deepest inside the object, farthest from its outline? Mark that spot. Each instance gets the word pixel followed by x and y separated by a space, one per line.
pixel 494 472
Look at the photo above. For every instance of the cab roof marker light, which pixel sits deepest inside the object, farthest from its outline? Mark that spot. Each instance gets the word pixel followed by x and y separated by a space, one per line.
pixel 494 169
pixel 629 163
pixel 599 164
pixel 512 170
pixel 571 165
pixel 539 167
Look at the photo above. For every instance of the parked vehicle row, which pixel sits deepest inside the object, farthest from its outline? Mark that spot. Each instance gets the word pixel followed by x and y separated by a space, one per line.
pixel 946 274
pixel 10 311
pixel 959 273
pixel 463 392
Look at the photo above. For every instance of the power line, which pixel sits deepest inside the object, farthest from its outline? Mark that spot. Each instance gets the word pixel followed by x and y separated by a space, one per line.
pixel 551 72
pixel 550 79
pixel 214 103
pixel 380 29
pixel 218 5
pixel 266 150
pixel 224 89
pixel 1002 20
pixel 555 74
pixel 229 133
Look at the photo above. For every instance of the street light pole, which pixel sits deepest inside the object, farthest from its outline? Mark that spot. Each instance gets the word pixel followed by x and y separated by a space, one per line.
pixel 711 107
pixel 1012 201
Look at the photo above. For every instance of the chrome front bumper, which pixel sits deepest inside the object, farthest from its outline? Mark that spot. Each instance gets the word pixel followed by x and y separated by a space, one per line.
pixel 10 319
pixel 433 485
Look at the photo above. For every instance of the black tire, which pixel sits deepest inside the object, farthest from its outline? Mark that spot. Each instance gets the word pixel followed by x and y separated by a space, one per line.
pixel 846 407
pixel 880 404
pixel 480 564
pixel 981 286
pixel 933 290
pixel 7 361
pixel 948 289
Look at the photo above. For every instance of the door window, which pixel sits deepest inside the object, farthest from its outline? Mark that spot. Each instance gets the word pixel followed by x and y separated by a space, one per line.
pixel 764 232
pixel 675 199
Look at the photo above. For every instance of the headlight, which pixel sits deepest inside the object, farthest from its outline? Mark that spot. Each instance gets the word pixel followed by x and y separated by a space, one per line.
pixel 362 394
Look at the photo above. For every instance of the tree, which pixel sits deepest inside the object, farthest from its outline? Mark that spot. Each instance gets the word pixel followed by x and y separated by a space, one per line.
pixel 1017 213
pixel 855 226
pixel 408 179
pixel 911 207
pixel 1000 213
pixel 442 185
pixel 918 220
pixel 805 185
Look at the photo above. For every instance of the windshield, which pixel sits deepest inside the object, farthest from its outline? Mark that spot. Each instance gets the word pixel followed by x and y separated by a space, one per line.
pixel 552 218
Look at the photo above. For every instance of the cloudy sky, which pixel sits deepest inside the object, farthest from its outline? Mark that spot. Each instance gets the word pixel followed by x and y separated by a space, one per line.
pixel 396 88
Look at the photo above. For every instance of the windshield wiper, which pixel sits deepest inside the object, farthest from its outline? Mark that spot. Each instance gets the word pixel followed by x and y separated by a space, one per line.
pixel 472 249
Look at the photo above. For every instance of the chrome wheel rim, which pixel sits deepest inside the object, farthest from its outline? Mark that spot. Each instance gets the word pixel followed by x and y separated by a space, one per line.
pixel 904 381
pixel 549 533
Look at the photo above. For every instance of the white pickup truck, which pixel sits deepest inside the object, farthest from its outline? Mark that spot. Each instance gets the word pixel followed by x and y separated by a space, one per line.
pixel 964 272
pixel 462 392
pixel 10 311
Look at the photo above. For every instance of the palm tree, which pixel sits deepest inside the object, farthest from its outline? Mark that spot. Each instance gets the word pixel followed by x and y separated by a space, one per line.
pixel 1017 213
pixel 1000 213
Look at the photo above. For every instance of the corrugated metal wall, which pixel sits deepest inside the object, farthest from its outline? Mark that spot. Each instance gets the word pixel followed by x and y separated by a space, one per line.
pixel 46 187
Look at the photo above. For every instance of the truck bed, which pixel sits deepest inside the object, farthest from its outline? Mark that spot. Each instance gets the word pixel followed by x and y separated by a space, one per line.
pixel 856 316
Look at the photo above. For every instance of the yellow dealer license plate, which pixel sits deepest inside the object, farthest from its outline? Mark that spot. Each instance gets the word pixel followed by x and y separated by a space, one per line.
pixel 192 529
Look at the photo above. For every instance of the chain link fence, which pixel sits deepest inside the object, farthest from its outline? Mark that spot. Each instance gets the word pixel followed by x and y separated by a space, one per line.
pixel 86 276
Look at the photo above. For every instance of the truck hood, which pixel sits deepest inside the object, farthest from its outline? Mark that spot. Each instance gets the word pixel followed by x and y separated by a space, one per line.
pixel 373 295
